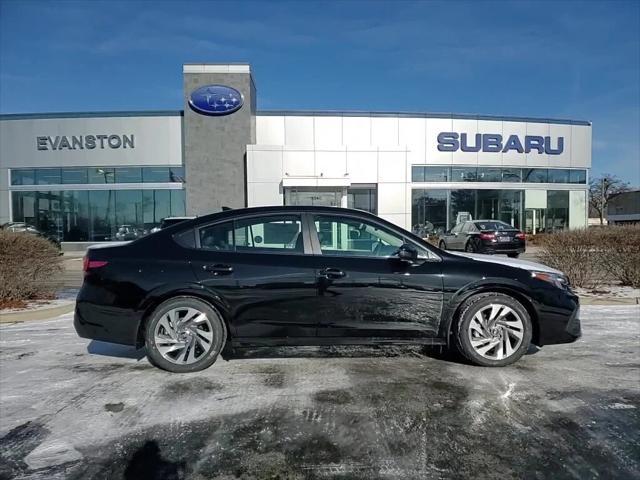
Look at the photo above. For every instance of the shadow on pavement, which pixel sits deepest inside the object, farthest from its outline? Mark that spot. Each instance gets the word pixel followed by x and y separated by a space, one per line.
pixel 147 464
pixel 114 350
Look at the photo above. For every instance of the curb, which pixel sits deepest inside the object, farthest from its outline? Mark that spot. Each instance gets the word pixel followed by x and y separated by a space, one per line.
pixel 37 314
pixel 609 301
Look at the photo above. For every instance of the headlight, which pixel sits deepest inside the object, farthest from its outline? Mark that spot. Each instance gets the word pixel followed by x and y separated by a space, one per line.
pixel 559 280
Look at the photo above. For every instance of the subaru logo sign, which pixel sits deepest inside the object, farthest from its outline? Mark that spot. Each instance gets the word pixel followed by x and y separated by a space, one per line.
pixel 215 100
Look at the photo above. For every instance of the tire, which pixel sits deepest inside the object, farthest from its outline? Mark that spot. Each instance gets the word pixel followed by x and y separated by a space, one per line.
pixel 184 334
pixel 470 247
pixel 442 245
pixel 489 347
pixel 513 255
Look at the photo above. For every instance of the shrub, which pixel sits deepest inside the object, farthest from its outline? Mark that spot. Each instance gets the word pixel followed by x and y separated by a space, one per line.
pixel 592 257
pixel 29 267
pixel 577 253
pixel 622 257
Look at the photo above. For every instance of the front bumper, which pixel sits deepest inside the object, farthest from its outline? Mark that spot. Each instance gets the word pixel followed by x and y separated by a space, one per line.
pixel 561 325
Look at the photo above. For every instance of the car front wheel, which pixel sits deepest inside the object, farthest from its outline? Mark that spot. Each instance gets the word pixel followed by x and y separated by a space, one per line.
pixel 493 330
pixel 184 334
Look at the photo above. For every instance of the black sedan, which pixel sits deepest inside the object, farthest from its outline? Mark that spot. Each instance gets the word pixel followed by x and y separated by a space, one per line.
pixel 313 276
pixel 484 236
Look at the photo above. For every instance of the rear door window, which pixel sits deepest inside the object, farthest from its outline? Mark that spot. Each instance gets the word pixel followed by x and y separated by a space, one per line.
pixel 276 233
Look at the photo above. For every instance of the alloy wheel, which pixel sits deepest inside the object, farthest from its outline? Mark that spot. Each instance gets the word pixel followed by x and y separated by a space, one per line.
pixel 184 335
pixel 496 331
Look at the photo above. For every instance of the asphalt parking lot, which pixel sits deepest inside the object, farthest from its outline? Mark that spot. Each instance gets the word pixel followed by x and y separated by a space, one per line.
pixel 71 408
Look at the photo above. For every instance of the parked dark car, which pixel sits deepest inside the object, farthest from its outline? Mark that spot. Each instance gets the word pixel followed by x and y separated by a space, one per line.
pixel 484 236
pixel 314 276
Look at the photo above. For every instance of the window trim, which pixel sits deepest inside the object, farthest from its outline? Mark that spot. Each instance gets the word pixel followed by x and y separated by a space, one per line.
pixel 306 244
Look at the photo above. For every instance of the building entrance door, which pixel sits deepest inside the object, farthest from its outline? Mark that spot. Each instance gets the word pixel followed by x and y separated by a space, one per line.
pixel 534 219
pixel 325 197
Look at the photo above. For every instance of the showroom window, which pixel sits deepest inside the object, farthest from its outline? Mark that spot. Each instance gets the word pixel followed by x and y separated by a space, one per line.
pixel 101 175
pixel 74 175
pixel 23 177
pixel 578 176
pixel 96 215
pixel 96 175
pixel 48 176
pixel 489 174
pixel 420 173
pixel 557 212
pixel 363 197
pixel 534 175
pixel 428 211
pixel 464 174
pixel 558 175
pixel 512 175
pixel 128 175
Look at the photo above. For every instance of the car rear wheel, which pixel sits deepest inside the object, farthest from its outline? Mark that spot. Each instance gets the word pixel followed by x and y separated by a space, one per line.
pixel 493 330
pixel 184 334
pixel 470 246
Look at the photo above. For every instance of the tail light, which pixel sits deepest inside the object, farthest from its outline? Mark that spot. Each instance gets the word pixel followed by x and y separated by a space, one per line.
pixel 520 236
pixel 488 236
pixel 91 264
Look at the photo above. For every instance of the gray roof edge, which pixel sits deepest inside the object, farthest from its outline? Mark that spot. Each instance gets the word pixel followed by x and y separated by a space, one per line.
pixel 53 115
pixel 454 116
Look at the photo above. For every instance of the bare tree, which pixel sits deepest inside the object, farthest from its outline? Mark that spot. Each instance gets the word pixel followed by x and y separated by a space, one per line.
pixel 601 189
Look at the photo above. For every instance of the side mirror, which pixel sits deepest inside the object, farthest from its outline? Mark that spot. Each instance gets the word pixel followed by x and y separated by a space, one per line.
pixel 407 253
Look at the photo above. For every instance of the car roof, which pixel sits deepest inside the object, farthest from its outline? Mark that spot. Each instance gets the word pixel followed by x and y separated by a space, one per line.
pixel 232 213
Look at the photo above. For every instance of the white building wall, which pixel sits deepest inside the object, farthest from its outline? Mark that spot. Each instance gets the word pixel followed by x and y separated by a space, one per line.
pixel 157 140
pixel 382 148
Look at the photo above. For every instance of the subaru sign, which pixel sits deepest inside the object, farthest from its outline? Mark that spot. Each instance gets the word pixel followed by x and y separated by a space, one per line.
pixel 494 142
pixel 215 100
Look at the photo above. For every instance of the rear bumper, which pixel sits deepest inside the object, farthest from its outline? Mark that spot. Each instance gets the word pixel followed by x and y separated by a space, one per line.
pixel 105 323
pixel 488 246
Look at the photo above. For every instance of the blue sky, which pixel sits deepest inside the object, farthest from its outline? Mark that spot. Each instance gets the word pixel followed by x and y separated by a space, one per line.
pixel 547 59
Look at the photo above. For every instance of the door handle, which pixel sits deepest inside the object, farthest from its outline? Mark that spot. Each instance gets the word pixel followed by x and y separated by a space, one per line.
pixel 218 269
pixel 332 273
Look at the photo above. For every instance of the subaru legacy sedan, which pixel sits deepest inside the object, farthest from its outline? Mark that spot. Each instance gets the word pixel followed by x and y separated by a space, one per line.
pixel 484 236
pixel 289 275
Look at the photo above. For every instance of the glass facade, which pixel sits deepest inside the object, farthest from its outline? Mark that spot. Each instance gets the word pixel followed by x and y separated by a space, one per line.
pixel 96 215
pixel 363 198
pixel 435 211
pixel 96 175
pixel 421 173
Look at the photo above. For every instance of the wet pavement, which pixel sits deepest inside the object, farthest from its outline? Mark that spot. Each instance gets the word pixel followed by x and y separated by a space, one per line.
pixel 71 408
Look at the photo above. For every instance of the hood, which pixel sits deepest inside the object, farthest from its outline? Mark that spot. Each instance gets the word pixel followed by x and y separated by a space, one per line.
pixel 511 262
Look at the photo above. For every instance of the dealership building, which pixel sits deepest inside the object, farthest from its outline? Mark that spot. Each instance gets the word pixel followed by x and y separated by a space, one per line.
pixel 85 176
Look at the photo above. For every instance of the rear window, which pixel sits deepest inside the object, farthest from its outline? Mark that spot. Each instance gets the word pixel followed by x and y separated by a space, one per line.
pixel 495 226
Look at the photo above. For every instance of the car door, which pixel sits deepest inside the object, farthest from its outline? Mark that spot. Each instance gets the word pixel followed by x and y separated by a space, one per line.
pixel 363 290
pixel 453 239
pixel 257 266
